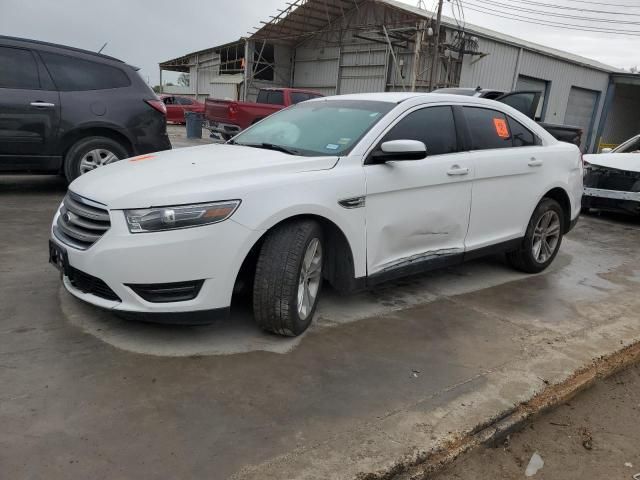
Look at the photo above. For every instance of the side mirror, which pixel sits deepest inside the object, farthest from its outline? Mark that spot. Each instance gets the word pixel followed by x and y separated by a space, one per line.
pixel 606 150
pixel 399 150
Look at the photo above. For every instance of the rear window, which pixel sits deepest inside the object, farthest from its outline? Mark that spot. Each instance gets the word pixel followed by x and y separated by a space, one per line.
pixel 74 74
pixel 184 101
pixel 18 69
pixel 297 97
pixel 272 97
pixel 489 128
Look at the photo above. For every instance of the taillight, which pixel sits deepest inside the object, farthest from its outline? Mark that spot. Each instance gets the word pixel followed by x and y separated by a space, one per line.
pixel 158 105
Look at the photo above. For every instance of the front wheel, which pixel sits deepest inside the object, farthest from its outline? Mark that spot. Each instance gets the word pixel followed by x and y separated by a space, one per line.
pixel 288 278
pixel 90 153
pixel 542 239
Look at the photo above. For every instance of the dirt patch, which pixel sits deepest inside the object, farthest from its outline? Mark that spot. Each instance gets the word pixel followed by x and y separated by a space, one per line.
pixel 595 435
pixel 498 430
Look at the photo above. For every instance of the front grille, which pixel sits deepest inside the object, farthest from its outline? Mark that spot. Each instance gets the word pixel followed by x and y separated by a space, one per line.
pixel 81 222
pixel 89 284
pixel 168 292
pixel 611 179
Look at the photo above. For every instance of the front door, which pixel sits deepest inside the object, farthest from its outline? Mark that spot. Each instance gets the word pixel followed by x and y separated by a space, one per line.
pixel 417 211
pixel 29 111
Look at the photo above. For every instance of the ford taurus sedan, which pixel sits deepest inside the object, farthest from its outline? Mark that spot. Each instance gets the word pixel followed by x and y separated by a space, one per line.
pixel 349 190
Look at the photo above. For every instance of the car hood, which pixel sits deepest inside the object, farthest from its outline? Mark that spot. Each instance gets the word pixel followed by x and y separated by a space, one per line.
pixel 620 161
pixel 191 175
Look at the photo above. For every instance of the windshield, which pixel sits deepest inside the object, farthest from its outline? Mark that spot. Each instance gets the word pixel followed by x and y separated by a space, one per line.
pixel 317 128
pixel 630 146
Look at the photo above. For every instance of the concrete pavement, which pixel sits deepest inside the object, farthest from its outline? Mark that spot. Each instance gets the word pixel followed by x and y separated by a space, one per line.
pixel 380 380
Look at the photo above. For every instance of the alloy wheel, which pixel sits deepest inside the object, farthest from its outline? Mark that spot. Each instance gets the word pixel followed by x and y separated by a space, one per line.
pixel 310 278
pixel 546 236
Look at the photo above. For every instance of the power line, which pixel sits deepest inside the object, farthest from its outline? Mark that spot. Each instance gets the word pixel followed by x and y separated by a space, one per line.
pixel 566 26
pixel 606 4
pixel 578 9
pixel 559 15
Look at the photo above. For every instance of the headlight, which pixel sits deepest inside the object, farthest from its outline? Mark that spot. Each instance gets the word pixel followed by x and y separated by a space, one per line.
pixel 182 216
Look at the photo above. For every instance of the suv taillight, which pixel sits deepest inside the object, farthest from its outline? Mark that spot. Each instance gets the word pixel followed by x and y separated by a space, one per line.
pixel 158 105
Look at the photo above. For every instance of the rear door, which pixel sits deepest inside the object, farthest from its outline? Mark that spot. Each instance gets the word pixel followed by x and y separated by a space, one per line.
pixel 509 166
pixel 29 112
pixel 418 210
pixel 524 101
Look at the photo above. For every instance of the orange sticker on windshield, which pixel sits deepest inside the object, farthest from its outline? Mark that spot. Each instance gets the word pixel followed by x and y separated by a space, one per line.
pixel 501 127
pixel 141 157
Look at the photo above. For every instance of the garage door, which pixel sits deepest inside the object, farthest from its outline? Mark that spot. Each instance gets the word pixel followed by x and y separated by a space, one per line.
pixel 317 69
pixel 580 110
pixel 536 85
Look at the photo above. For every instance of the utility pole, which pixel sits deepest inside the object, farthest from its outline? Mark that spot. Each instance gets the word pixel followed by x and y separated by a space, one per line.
pixel 436 47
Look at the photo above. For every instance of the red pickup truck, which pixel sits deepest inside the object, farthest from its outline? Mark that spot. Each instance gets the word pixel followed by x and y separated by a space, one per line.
pixel 229 117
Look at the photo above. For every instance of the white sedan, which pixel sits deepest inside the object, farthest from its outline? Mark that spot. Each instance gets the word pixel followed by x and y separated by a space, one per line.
pixel 612 179
pixel 353 190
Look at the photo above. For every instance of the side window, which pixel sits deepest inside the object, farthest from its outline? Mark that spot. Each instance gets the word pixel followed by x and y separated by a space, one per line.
pixel 276 97
pixel 297 97
pixel 263 96
pixel 184 101
pixel 74 74
pixel 488 128
pixel 521 135
pixel 434 126
pixel 18 69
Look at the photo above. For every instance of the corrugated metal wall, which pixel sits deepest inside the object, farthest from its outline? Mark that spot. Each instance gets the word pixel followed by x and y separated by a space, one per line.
pixel 317 69
pixel 495 70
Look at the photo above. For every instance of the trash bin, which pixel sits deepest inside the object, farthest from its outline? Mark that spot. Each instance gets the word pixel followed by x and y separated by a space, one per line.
pixel 194 124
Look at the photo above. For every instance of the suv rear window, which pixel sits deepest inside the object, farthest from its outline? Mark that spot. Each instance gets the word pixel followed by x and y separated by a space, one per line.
pixel 489 128
pixel 75 74
pixel 18 69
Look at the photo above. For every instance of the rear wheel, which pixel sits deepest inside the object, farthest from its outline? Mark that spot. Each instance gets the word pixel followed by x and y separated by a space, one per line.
pixel 90 153
pixel 288 278
pixel 542 239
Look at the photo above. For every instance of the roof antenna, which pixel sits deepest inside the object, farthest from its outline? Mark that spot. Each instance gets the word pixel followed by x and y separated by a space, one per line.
pixel 102 48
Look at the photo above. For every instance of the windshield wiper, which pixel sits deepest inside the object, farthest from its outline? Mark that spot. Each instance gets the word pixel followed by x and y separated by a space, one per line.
pixel 271 146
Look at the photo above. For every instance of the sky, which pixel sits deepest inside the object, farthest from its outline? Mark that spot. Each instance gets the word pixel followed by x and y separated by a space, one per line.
pixel 145 32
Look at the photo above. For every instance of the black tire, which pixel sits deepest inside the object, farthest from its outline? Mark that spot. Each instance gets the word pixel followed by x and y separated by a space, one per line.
pixel 275 287
pixel 523 259
pixel 83 146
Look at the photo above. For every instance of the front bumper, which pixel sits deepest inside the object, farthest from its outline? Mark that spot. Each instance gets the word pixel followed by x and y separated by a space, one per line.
pixel 212 253
pixel 614 200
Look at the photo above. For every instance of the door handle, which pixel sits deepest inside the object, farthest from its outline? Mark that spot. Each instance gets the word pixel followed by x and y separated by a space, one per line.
pixel 42 104
pixel 535 163
pixel 457 170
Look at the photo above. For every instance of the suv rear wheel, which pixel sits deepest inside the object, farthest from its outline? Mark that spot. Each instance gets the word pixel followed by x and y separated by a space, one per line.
pixel 90 153
pixel 288 278
pixel 542 239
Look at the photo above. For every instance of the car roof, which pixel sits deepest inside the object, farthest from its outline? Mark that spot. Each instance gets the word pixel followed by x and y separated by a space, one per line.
pixel 62 47
pixel 399 97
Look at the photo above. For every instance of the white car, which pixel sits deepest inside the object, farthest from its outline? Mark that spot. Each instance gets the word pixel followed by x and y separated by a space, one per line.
pixel 612 178
pixel 353 190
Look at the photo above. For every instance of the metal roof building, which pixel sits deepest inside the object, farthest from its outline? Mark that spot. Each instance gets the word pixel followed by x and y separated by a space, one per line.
pixel 347 46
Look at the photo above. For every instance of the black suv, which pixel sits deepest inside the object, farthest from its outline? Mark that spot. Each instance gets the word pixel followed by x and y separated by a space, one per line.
pixel 69 111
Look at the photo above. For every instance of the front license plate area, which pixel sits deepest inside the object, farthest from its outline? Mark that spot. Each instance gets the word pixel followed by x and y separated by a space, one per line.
pixel 58 257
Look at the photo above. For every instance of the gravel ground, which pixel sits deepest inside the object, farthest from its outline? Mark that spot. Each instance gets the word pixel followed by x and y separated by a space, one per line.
pixel 594 436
